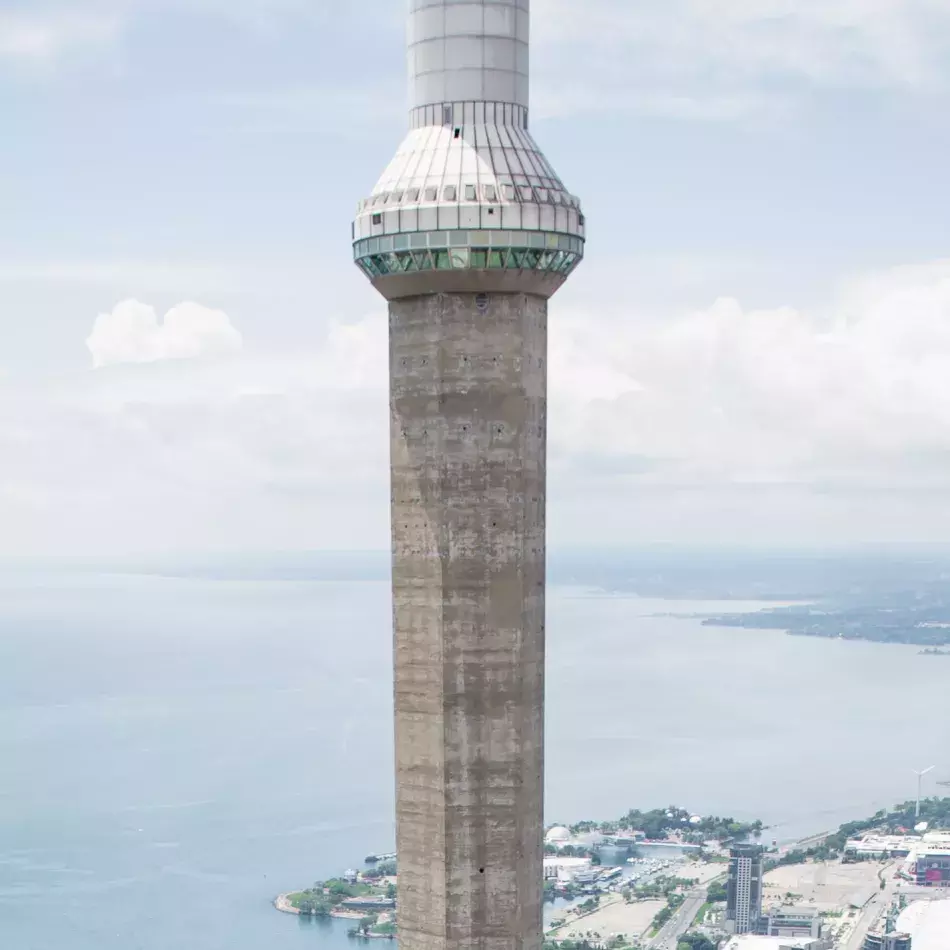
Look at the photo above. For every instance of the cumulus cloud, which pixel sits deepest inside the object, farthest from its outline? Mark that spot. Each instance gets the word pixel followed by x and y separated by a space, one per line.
pixel 726 423
pixel 855 394
pixel 133 333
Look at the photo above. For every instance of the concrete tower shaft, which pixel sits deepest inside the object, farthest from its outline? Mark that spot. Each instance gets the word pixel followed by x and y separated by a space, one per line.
pixel 467 233
pixel 468 414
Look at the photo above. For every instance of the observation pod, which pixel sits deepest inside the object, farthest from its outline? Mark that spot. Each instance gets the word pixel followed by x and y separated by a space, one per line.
pixel 469 202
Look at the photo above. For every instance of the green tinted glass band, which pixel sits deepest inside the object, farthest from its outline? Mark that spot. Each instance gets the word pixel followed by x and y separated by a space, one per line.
pixel 474 240
pixel 463 258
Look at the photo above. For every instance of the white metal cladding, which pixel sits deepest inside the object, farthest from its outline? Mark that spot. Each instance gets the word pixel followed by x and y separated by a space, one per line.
pixel 478 175
pixel 469 162
pixel 468 50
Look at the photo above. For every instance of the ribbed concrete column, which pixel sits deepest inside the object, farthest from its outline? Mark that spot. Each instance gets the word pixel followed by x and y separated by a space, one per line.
pixel 468 400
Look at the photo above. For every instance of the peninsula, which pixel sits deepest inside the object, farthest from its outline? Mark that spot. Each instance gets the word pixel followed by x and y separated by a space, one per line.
pixel 911 619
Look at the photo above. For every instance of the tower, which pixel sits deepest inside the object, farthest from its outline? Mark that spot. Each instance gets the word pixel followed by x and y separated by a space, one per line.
pixel 744 889
pixel 467 234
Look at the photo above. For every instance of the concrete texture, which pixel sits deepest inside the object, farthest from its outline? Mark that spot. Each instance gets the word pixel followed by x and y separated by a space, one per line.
pixel 468 412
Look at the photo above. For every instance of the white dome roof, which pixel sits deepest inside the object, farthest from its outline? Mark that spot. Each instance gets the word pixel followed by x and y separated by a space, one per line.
pixel 558 833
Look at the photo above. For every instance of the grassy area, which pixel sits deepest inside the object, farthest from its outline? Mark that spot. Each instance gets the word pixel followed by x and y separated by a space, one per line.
pixel 324 896
pixel 701 913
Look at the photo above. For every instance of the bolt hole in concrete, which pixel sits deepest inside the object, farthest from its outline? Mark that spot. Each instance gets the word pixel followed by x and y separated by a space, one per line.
pixel 481 870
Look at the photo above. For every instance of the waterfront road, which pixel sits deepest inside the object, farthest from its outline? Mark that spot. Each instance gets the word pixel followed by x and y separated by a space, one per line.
pixel 873 910
pixel 680 922
pixel 863 924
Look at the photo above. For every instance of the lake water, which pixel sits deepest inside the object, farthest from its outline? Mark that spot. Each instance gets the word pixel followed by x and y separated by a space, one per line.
pixel 173 753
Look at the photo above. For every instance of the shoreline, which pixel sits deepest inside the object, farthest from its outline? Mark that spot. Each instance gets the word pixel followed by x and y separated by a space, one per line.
pixel 282 903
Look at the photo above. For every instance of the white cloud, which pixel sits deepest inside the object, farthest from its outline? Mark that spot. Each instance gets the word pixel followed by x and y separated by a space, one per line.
pixel 722 59
pixel 167 277
pixel 239 454
pixel 44 31
pixel 43 36
pixel 724 423
pixel 133 333
pixel 855 395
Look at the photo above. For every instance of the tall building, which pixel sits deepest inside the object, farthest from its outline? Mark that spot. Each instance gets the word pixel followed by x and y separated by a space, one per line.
pixel 744 889
pixel 467 234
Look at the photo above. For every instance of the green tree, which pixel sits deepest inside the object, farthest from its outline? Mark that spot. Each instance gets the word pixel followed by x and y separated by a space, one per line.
pixel 366 924
pixel 314 906
pixel 716 893
pixel 695 942
pixel 391 892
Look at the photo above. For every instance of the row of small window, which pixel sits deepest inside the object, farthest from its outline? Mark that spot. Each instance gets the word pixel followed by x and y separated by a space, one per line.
pixel 478 239
pixel 463 258
pixel 471 192
pixel 452 114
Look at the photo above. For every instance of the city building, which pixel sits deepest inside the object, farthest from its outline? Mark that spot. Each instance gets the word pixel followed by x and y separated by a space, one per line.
pixel 467 234
pixel 565 869
pixel 744 889
pixel 752 942
pixel 896 846
pixel 785 921
pixel 881 846
pixel 928 866
pixel 877 940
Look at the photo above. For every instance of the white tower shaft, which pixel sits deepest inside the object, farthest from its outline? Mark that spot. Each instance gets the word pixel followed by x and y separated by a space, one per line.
pixel 470 51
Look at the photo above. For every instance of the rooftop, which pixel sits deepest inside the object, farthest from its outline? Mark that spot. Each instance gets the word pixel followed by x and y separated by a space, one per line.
pixel 790 911
pixel 748 942
pixel 928 922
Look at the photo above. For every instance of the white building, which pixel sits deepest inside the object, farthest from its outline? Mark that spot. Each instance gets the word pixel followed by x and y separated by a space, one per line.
pixel 558 835
pixel 890 845
pixel 565 869
pixel 749 942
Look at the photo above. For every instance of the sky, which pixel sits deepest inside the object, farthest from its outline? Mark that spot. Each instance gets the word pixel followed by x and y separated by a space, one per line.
pixel 756 349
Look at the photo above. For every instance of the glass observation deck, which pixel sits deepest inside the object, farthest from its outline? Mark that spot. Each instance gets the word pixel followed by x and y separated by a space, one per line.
pixel 395 254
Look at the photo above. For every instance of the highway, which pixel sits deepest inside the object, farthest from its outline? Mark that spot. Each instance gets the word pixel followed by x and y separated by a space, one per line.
pixel 680 922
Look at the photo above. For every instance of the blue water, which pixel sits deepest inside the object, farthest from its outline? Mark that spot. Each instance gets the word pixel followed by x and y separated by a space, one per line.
pixel 174 753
